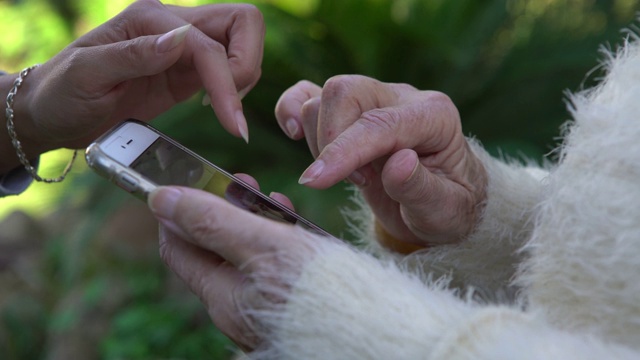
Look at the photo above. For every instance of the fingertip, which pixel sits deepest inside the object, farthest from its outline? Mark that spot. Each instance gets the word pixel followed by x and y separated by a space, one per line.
pixel 244 91
pixel 293 128
pixel 404 178
pixel 294 105
pixel 357 178
pixel 235 124
pixel 282 199
pixel 243 128
pixel 172 39
pixel 312 173
pixel 206 100
pixel 212 65
pixel 310 110
pixel 248 179
pixel 401 167
pixel 163 200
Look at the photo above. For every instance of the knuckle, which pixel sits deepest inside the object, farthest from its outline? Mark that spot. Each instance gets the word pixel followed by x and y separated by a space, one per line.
pixel 138 10
pixel 148 3
pixel 295 101
pixel 207 43
pixel 437 96
pixel 213 45
pixel 304 89
pixel 77 61
pixel 120 23
pixel 130 51
pixel 303 84
pixel 75 58
pixel 251 12
pixel 340 85
pixel 382 119
pixel 444 104
pixel 344 85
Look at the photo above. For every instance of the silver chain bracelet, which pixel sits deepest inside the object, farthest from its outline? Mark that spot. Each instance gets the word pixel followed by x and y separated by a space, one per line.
pixel 14 138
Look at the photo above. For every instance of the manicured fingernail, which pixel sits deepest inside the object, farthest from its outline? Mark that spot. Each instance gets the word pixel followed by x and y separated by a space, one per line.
pixel 357 178
pixel 243 92
pixel 242 126
pixel 172 39
pixel 292 127
pixel 206 100
pixel 163 201
pixel 312 172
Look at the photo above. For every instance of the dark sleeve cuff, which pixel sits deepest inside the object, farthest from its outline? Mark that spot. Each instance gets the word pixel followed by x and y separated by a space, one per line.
pixel 17 180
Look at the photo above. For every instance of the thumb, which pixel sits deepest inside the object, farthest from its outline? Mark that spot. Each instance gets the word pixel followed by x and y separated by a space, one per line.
pixel 142 56
pixel 429 204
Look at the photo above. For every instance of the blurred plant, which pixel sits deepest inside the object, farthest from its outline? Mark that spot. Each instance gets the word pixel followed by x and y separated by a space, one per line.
pixel 505 63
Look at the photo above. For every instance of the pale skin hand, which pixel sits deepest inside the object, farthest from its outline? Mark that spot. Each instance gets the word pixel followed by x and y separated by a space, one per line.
pixel 220 251
pixel 126 69
pixel 403 147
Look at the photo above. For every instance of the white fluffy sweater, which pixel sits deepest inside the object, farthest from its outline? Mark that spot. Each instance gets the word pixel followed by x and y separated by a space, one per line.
pixel 548 274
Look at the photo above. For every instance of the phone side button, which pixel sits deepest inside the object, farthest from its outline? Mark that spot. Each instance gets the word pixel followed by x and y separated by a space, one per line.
pixel 127 182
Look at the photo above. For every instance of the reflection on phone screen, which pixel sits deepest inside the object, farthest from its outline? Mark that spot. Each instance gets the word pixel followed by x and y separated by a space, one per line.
pixel 166 164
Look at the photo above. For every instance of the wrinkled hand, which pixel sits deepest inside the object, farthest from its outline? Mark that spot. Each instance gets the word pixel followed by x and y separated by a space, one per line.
pixel 139 64
pixel 402 146
pixel 231 259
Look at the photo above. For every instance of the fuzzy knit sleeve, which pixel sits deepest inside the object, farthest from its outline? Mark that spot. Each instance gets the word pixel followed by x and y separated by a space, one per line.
pixel 349 305
pixel 487 259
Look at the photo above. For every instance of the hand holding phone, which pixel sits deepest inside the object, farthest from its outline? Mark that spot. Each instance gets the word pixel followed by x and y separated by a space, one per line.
pixel 139 158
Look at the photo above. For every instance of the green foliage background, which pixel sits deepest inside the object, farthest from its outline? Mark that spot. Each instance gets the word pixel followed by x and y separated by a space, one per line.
pixel 505 63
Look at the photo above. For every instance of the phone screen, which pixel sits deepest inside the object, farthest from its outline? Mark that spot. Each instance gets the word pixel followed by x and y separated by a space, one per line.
pixel 166 164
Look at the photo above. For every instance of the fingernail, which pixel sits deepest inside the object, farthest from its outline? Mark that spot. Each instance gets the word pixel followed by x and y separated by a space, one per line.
pixel 243 92
pixel 242 126
pixel 357 178
pixel 163 201
pixel 292 127
pixel 172 39
pixel 312 172
pixel 206 100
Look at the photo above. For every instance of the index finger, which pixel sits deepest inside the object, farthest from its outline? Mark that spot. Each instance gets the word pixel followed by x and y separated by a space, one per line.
pixel 201 52
pixel 427 123
pixel 344 99
pixel 210 61
pixel 240 28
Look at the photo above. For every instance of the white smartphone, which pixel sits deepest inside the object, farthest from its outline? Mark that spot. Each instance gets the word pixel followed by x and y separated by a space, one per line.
pixel 138 158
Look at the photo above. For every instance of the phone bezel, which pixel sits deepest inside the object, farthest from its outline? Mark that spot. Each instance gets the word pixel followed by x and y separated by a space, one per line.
pixel 114 170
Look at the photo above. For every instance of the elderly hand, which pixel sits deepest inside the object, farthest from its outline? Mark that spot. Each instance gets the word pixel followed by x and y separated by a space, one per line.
pixel 402 146
pixel 137 65
pixel 233 260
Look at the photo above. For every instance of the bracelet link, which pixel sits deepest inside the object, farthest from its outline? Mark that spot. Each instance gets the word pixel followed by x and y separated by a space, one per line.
pixel 14 138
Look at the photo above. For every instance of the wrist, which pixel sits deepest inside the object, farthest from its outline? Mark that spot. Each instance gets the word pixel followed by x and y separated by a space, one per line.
pixel 23 124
